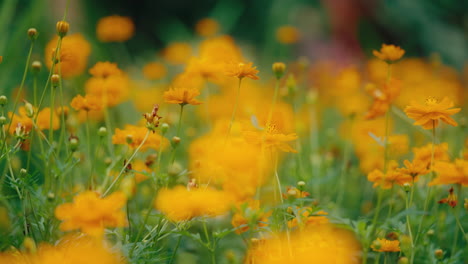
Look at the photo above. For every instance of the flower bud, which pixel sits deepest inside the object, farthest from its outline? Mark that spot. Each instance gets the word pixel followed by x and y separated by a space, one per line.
pixel 102 132
pixel 278 69
pixel 23 172
pixel 55 79
pixel 74 143
pixel 439 254
pixel 29 110
pixel 376 244
pixel 406 187
pixel 129 139
pixel 175 169
pixel 36 66
pixel 108 161
pixel 301 183
pixel 32 33
pixel 29 245
pixel 3 120
pixel 3 100
pixel 430 232
pixel 403 260
pixel 175 141
pixel 164 128
pixel 62 28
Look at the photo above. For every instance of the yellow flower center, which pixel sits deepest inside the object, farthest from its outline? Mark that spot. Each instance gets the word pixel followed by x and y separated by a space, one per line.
pixel 431 101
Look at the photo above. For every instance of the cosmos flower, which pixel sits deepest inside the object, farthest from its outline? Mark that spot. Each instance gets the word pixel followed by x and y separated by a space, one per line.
pixel 389 53
pixel 429 114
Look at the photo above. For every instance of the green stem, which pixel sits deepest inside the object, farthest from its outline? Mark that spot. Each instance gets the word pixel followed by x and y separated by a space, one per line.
pixel 408 224
pixel 174 147
pixel 175 250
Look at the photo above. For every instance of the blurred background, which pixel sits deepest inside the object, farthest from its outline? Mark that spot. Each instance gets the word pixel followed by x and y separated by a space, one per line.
pixel 342 30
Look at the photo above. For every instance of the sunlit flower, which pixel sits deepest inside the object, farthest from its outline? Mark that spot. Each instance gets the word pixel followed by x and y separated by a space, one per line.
pixel 241 70
pixel 271 138
pixel 73 56
pixel 115 29
pixel 287 35
pixel 87 103
pixel 92 214
pixel 326 245
pixel 154 71
pixel 207 27
pixel 428 115
pixel 384 245
pixel 389 53
pixel 392 176
pixel 181 204
pixel 414 169
pixel 133 136
pixel 424 154
pixel 182 96
pixel 451 173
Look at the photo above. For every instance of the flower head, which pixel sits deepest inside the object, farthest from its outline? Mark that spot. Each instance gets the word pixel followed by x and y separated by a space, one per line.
pixel 384 245
pixel 86 103
pixel 115 29
pixel 182 96
pixel 207 27
pixel 451 173
pixel 154 71
pixel 271 138
pixel 389 53
pixel 429 114
pixel 92 214
pixel 241 70
pixel 392 176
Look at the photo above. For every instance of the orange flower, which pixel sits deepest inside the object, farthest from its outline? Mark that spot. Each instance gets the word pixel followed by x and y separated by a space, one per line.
pixel 92 214
pixel 287 35
pixel 389 53
pixel 115 29
pixel 305 216
pixel 271 139
pixel 414 169
pixel 451 173
pixel 383 98
pixel 154 71
pixel 384 245
pixel 87 103
pixel 424 154
pixel 451 199
pixel 207 27
pixel 391 177
pixel 182 96
pixel 134 135
pixel 241 70
pixel 428 115
pixel 177 52
pixel 104 69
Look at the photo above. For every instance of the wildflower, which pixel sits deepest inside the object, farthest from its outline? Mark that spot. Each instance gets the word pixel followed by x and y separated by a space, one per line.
pixel 137 134
pixel 152 119
pixel 278 69
pixel 207 27
pixel 392 176
pixel 287 35
pixel 271 138
pixel 389 53
pixel 424 154
pixel 414 169
pixel 292 191
pixel 249 215
pixel 62 28
pixel 87 103
pixel 25 122
pixel 182 96
pixel 451 200
pixel 384 245
pixel 44 122
pixel 305 216
pixel 115 29
pixel 241 70
pixel 73 56
pixel 177 52
pixel 105 69
pixel 326 245
pixel 451 173
pixel 92 214
pixel 180 204
pixel 154 71
pixel 428 115
pixel 108 83
pixel 383 98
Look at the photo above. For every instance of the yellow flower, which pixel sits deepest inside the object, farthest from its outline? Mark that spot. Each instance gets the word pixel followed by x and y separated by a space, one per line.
pixel 249 215
pixel 182 96
pixel 451 173
pixel 134 135
pixel 389 53
pixel 384 245
pixel 105 69
pixel 428 115
pixel 271 138
pixel 87 103
pixel 304 217
pixel 92 214
pixel 241 70
pixel 325 245
pixel 414 169
pixel 391 177
pixel 73 55
pixel 424 154
pixel 181 204
pixel 43 120
pixel 287 35
pixel 383 98
pixel 177 53
pixel 115 29
pixel 207 27
pixel 154 71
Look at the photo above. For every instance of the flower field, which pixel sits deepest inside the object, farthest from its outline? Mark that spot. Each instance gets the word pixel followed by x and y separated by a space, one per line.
pixel 213 150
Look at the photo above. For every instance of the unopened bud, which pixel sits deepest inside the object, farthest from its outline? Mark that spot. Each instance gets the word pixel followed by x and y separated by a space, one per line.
pixel 23 172
pixel 108 161
pixel 430 232
pixel 29 245
pixel 403 260
pixel 3 120
pixel 164 128
pixel 278 69
pixel 406 187
pixel 376 244
pixel 55 79
pixel 439 254
pixel 175 141
pixel 74 143
pixel 102 132
pixel 292 192
pixel 175 169
pixel 3 100
pixel 29 110
pixel 301 183
pixel 50 196
pixel 36 66
pixel 62 28
pixel 129 139
pixel 32 33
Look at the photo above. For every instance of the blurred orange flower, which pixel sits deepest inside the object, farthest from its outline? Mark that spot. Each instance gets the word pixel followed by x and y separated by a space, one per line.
pixel 428 115
pixel 389 53
pixel 115 29
pixel 241 70
pixel 182 96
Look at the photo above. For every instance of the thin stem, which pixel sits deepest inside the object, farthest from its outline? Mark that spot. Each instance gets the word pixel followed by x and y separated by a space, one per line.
pixel 174 147
pixel 126 163
pixel 175 250
pixel 408 224
pixel 88 142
